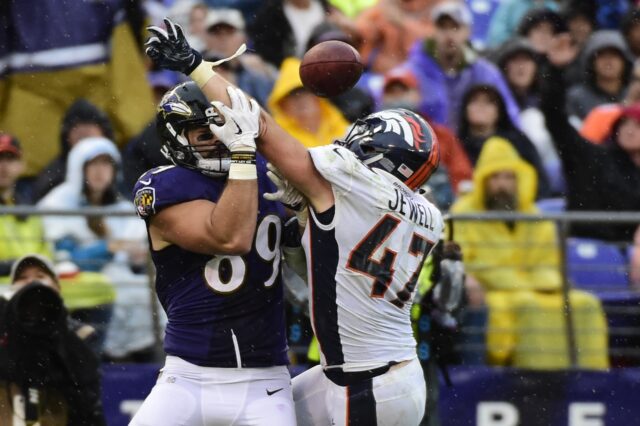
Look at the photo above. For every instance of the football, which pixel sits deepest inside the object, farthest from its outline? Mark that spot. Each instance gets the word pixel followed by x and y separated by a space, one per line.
pixel 330 68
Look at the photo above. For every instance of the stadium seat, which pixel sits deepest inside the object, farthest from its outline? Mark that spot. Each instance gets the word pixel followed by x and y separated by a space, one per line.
pixel 596 265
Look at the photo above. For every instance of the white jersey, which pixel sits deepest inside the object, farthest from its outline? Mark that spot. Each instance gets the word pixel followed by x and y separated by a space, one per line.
pixel 364 265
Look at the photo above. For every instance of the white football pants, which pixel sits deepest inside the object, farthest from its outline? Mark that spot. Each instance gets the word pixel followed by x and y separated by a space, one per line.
pixel 396 397
pixel 189 395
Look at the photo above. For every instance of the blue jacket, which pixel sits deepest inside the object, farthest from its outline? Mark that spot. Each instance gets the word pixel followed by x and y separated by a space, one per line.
pixel 442 94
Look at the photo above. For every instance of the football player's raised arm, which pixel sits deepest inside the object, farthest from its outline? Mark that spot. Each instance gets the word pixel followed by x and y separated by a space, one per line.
pixel 282 150
pixel 168 48
pixel 201 226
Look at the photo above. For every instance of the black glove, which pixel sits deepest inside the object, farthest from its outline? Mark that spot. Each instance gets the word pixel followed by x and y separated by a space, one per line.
pixel 169 49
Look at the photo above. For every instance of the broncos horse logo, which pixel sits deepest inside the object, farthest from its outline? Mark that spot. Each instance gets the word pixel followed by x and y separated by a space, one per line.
pixel 405 124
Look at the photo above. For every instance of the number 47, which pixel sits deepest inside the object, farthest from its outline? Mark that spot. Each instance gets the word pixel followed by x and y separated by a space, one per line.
pixel 381 271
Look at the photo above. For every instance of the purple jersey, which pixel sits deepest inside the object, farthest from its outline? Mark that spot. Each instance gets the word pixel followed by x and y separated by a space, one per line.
pixel 223 311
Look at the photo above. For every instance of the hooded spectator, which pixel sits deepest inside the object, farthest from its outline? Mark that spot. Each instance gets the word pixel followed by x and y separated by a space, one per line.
pixel 599 178
pixel 483 116
pixel 580 17
pixel 312 120
pixel 93 171
pixel 518 265
pixel 597 125
pixel 539 26
pixel 446 66
pixel 507 17
pixel 515 256
pixel 607 67
pixel 401 90
pixel 82 120
pixel 519 63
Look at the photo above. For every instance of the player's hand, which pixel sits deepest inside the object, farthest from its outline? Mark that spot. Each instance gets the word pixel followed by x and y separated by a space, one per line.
pixel 169 49
pixel 285 193
pixel 241 122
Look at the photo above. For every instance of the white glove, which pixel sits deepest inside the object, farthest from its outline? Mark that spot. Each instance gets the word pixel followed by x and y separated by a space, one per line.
pixel 242 122
pixel 287 195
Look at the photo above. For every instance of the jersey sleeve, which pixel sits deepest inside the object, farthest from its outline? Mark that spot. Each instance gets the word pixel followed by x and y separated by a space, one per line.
pixel 168 185
pixel 337 165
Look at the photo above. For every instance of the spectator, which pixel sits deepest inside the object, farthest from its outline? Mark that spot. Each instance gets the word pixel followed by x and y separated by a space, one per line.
pixel 597 125
pixel 518 265
pixel 518 61
pixel 143 152
pixel 484 115
pixel 603 178
pixel 607 67
pixel 312 120
pixel 580 17
pixel 506 255
pixel 630 28
pixel 93 169
pixel 282 28
pixel 446 66
pixel 196 28
pixel 401 91
pixel 539 26
pixel 82 120
pixel 390 28
pixel 224 35
pixel 508 15
pixel 18 234
pixel 50 360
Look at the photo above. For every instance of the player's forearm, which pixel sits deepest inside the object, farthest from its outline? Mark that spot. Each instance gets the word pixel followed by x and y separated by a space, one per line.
pixel 213 85
pixel 234 218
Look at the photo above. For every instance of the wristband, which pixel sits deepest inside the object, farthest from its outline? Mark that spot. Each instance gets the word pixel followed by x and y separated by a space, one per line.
pixel 243 166
pixel 238 171
pixel 203 73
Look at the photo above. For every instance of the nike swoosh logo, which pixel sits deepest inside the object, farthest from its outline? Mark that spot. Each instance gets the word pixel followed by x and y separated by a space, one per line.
pixel 269 393
pixel 338 152
pixel 145 182
pixel 239 132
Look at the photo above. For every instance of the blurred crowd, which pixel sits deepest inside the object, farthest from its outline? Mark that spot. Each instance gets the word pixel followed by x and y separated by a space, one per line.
pixel 535 103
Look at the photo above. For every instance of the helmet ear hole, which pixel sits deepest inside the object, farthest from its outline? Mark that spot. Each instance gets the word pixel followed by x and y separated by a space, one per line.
pixel 367 149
